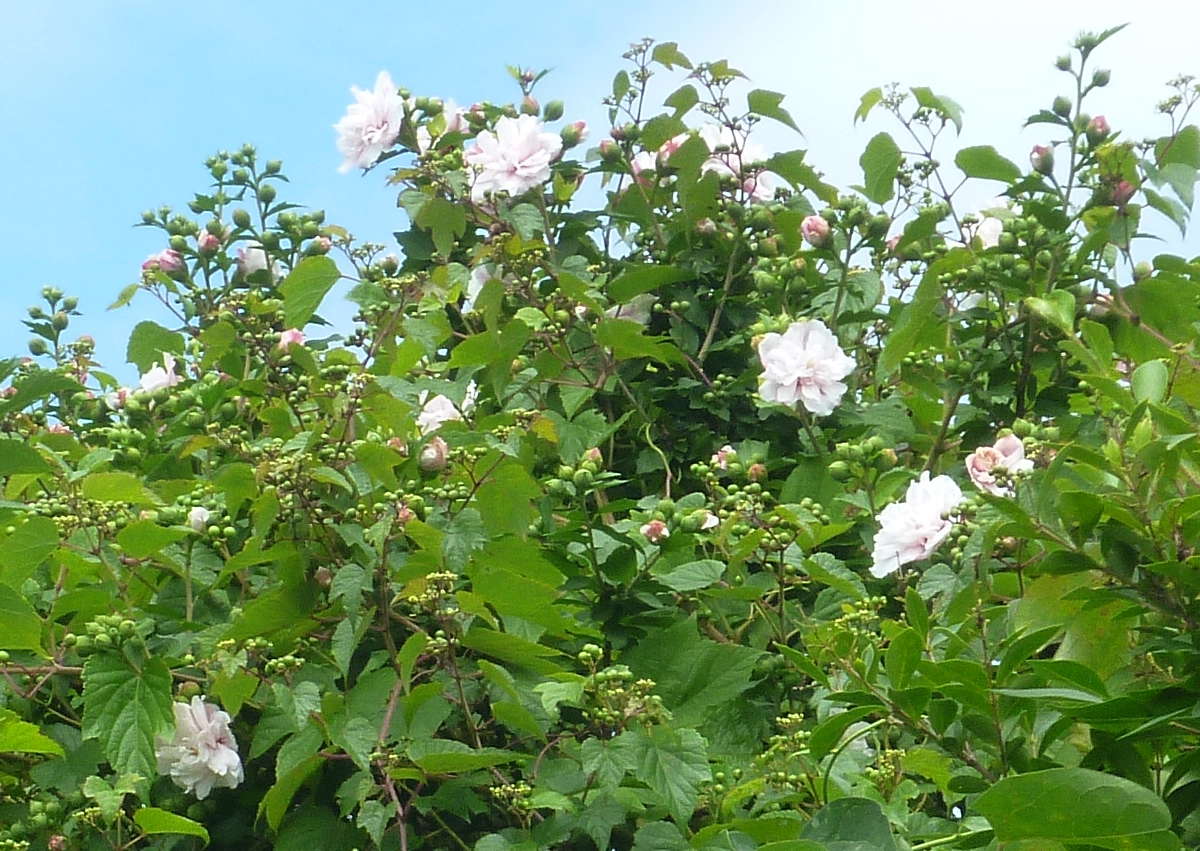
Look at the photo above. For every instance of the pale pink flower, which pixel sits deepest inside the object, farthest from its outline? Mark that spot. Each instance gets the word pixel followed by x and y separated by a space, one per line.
pixel 117 398
pixel 371 124
pixel 655 531
pixel 735 156
pixel 253 258
pixel 711 521
pixel 57 428
pixel 198 518
pixel 815 230
pixel 168 260
pixel 320 245
pixel 433 455
pixel 913 529
pixel 480 276
pixel 643 161
pixel 207 243
pixel 290 337
pixel 160 377
pixel 440 409
pixel 455 118
pixel 804 364
pixel 1007 454
pixel 202 754
pixel 722 457
pixel 513 159
pixel 669 147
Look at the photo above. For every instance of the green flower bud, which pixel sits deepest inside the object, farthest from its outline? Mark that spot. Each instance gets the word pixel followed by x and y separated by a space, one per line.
pixel 266 193
pixel 241 218
pixel 553 110
pixel 59 321
pixel 1063 63
pixel 1100 77
pixel 1061 106
pixel 38 347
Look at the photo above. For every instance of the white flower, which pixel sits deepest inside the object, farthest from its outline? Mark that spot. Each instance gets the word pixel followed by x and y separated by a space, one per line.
pixel 480 275
pixel 440 409
pixel 1008 454
pixel 637 309
pixel 203 753
pixel 160 377
pixel 735 156
pixel 655 531
pixel 912 530
pixel 722 456
pixel 514 159
pixel 804 364
pixel 198 518
pixel 117 398
pixel 371 125
pixel 253 258
pixel 711 521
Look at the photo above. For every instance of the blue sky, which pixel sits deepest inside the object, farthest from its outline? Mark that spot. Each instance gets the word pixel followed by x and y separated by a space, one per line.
pixel 110 107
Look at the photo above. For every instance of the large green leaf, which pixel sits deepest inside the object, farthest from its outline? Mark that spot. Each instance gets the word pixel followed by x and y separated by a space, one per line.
pixel 642 279
pixel 880 164
pixel 125 708
pixel 17 736
pixel 19 457
pixel 851 824
pixel 26 548
pixel 144 538
pixel 673 764
pixel 20 626
pixel 985 162
pixel 767 104
pixel 305 288
pixel 148 341
pixel 154 820
pixel 1078 806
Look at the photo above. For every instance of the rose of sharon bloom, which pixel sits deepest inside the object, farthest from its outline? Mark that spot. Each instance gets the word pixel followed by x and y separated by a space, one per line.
pixel 207 243
pixel 290 337
pixel 804 364
pixel 1008 453
pixel 440 409
pixel 815 230
pixel 168 260
pixel 912 530
pixel 721 457
pixel 117 398
pixel 735 156
pixel 655 531
pixel 159 377
pixel 513 159
pixel 203 753
pixel 371 125
pixel 198 518
pixel 456 122
pixel 253 258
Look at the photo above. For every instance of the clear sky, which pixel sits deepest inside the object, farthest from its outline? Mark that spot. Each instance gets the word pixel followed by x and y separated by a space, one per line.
pixel 109 107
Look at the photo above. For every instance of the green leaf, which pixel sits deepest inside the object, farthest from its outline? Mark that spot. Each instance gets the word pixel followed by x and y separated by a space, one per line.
pixel 691 576
pixel 1057 308
pixel 1149 382
pixel 880 164
pixel 854 824
pixel 125 708
pixel 986 163
pixel 148 341
pixel 505 500
pixel 683 99
pixel 115 487
pixel 672 763
pixel 828 734
pixel 278 800
pixel 445 756
pixel 153 820
pixel 446 221
pixel 1183 147
pixel 22 552
pixel 38 387
pixel 1078 806
pixel 518 581
pixel 790 165
pixel 903 653
pixel 868 102
pixel 305 288
pixel 636 280
pixel 668 55
pixel 943 106
pixel 17 456
pixel 20 626
pixel 17 736
pixel 767 104
pixel 144 538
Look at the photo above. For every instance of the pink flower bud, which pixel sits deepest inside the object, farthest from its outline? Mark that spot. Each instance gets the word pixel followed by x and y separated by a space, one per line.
pixel 609 152
pixel 529 106
pixel 655 531
pixel 289 337
pixel 168 260
pixel 1122 192
pixel 399 445
pixel 594 455
pixel 756 473
pixel 893 243
pixel 320 245
pixel 207 243
pixel 722 457
pixel 433 456
pixel 815 231
pixel 404 514
pixel 574 134
pixel 1097 130
pixel 1042 159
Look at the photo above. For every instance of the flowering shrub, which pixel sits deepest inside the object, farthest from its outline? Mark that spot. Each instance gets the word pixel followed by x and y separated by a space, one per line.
pixel 640 526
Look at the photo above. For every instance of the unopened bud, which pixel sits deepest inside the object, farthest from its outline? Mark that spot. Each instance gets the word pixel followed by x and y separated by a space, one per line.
pixel 575 133
pixel 1042 159
pixel 1063 63
pixel 609 152
pixel 553 110
pixel 1061 106
pixel 266 193
pixel 241 218
pixel 529 106
pixel 38 347
pixel 433 456
pixel 1142 270
pixel 1100 77
pixel 70 303
pixel 59 321
pixel 1097 130
pixel 1122 193
pixel 756 472
pixel 815 230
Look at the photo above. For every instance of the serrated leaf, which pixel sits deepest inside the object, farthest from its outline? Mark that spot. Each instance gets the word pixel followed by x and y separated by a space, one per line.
pixel 20 626
pixel 672 763
pixel 153 820
pixel 767 104
pixel 125 709
pixel 691 576
pixel 1057 308
pixel 115 486
pixel 305 288
pixel 19 457
pixel 144 538
pixel 868 102
pixel 668 55
pixel 445 220
pixel 22 552
pixel 943 106
pixel 880 163
pixel 17 736
pixel 851 824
